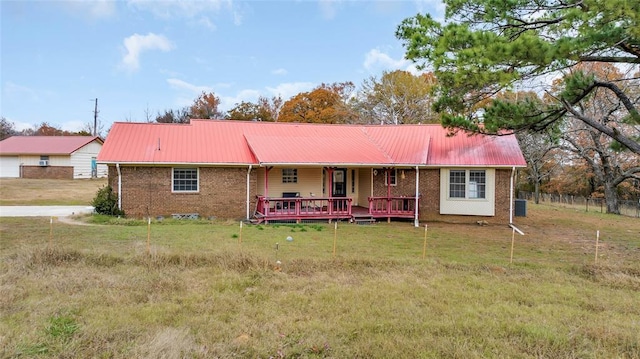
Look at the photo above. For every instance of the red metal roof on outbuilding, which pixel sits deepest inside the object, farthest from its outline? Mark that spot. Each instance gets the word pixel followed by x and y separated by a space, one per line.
pixel 44 145
pixel 235 143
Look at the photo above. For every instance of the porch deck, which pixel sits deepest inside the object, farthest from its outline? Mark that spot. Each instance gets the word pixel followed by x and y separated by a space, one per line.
pixel 312 208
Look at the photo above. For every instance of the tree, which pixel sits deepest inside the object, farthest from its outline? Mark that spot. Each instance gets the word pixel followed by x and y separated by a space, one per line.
pixel 324 104
pixel 87 129
pixel 244 111
pixel 264 110
pixel 538 150
pixel 270 108
pixel 170 116
pixel 609 165
pixel 206 107
pixel 486 46
pixel 397 97
pixel 46 129
pixel 7 129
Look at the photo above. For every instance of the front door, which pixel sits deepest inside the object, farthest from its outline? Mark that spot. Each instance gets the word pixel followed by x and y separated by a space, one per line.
pixel 339 182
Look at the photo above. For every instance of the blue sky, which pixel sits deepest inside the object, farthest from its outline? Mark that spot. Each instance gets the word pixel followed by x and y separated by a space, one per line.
pixel 141 57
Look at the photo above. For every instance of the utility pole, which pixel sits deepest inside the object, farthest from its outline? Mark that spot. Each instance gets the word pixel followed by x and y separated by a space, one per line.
pixel 95 118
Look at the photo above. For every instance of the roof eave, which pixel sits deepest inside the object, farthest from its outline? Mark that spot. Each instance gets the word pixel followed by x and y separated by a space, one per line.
pixel 204 164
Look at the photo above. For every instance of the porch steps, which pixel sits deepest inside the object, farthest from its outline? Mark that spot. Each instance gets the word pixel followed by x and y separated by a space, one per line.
pixel 363 219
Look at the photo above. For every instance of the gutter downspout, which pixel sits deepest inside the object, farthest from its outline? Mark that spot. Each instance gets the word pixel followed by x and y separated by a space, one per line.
pixel 119 187
pixel 248 183
pixel 513 171
pixel 416 221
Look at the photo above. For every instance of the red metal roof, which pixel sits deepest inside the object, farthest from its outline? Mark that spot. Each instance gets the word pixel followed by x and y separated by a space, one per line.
pixel 269 143
pixel 44 145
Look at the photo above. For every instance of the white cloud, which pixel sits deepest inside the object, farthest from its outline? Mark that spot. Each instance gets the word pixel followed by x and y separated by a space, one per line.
pixel 170 8
pixel 279 71
pixel 197 12
pixel 376 60
pixel 206 22
pixel 12 90
pixel 327 8
pixel 237 17
pixel 289 89
pixel 136 44
pixel 72 126
pixel 18 125
pixel 96 9
pixel 228 102
pixel 434 7
pixel 183 85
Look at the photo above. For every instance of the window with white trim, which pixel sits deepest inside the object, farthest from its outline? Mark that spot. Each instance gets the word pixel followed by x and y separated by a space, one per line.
pixel 289 175
pixel 473 188
pixel 185 180
pixel 457 183
pixel 477 184
pixel 393 177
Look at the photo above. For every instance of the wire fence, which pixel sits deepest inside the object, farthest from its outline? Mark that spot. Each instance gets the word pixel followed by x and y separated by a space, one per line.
pixel 629 208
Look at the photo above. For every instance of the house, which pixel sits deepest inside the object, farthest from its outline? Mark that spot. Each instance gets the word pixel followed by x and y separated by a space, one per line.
pixel 290 171
pixel 57 157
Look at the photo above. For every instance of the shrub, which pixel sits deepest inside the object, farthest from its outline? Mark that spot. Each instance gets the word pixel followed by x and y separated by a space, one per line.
pixel 106 202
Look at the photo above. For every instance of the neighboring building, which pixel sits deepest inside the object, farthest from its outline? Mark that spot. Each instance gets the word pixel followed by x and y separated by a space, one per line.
pixel 290 171
pixel 57 157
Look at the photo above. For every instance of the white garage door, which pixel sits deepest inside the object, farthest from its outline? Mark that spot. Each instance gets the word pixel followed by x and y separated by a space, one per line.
pixel 9 167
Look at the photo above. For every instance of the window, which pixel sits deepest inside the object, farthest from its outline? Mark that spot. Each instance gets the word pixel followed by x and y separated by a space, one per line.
pixel 457 181
pixel 185 180
pixel 44 158
pixel 289 175
pixel 394 177
pixel 475 188
pixel 477 184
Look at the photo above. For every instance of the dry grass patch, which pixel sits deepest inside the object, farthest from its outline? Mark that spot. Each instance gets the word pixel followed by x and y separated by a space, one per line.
pixel 199 293
pixel 41 192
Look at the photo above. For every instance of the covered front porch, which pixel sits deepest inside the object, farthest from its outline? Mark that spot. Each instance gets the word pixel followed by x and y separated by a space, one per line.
pixel 310 208
pixel 353 194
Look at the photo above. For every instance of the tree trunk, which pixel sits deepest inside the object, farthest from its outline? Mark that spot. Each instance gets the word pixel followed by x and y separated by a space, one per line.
pixel 536 193
pixel 611 198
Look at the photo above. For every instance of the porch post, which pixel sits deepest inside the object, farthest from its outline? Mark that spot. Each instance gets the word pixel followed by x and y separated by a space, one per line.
pixel 330 172
pixel 248 184
pixel 266 181
pixel 388 173
pixel 416 221
pixel 513 173
pixel 119 187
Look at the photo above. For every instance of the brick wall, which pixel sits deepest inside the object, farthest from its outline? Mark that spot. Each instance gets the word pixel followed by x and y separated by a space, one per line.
pixel 146 191
pixel 430 194
pixel 430 205
pixel 50 172
pixel 403 187
pixel 503 189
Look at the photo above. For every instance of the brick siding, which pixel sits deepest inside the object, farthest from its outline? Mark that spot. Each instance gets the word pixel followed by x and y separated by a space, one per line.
pixel 430 195
pixel 430 206
pixel 146 191
pixel 49 172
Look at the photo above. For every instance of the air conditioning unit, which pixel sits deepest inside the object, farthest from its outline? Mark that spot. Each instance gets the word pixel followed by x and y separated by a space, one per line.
pixel 44 162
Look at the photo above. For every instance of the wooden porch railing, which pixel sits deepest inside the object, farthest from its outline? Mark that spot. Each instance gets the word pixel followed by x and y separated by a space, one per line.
pixel 392 206
pixel 270 208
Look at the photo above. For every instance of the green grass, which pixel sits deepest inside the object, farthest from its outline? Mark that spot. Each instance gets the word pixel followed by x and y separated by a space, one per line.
pixel 205 289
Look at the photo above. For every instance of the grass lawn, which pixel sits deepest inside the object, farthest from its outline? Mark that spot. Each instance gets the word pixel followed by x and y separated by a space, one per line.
pixel 195 291
pixel 47 192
